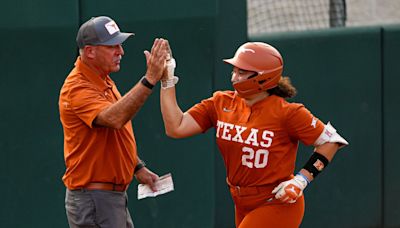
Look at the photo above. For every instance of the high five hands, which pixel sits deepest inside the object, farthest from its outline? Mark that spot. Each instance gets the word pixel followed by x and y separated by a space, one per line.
pixel 156 60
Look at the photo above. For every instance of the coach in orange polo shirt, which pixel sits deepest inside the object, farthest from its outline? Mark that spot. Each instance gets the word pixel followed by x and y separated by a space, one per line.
pixel 99 143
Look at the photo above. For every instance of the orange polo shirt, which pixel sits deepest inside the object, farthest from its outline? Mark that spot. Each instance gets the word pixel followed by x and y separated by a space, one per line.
pixel 93 153
pixel 258 143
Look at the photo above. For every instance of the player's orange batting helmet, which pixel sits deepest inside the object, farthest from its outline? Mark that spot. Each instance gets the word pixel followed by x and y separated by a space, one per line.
pixel 261 58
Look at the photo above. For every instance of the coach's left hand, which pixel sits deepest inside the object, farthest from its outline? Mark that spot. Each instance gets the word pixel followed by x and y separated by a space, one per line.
pixel 145 176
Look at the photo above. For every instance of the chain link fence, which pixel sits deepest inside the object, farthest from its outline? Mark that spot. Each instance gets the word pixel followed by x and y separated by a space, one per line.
pixel 298 15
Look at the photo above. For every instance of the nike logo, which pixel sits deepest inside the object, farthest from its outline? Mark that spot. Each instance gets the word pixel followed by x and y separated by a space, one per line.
pixel 226 110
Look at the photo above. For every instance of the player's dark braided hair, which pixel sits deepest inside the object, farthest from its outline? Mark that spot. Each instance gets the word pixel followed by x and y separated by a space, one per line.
pixel 284 89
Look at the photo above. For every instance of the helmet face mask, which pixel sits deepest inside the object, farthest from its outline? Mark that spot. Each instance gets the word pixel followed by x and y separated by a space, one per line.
pixel 257 84
pixel 261 58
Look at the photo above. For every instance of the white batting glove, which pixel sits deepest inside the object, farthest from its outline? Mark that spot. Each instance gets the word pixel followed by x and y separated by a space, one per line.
pixel 289 191
pixel 170 65
pixel 169 79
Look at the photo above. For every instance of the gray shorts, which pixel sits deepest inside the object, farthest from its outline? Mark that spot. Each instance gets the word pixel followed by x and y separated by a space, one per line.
pixel 97 208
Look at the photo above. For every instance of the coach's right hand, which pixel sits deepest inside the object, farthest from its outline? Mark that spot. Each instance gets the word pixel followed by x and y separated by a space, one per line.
pixel 156 60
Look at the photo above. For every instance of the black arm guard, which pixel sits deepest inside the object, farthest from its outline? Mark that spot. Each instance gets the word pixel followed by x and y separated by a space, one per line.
pixel 316 164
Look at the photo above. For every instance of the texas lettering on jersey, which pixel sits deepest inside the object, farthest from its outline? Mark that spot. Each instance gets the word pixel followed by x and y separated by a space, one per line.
pixel 265 136
pixel 234 133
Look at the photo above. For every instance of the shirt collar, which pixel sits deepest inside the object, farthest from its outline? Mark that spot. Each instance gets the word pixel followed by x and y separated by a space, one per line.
pixel 90 74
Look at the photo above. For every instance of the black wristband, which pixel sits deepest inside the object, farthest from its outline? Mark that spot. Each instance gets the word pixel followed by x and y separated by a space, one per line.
pixel 316 164
pixel 146 83
pixel 139 165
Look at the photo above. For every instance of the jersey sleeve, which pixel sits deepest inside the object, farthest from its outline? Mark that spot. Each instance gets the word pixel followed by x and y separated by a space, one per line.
pixel 87 102
pixel 204 113
pixel 303 125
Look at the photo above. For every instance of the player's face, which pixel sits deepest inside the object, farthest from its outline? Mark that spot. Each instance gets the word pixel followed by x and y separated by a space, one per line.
pixel 240 74
pixel 108 58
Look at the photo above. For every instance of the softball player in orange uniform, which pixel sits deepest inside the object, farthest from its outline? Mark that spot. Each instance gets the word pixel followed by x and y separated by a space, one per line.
pixel 257 132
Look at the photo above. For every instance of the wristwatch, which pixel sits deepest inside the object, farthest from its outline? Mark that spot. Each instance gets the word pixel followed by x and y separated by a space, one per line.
pixel 140 165
pixel 146 83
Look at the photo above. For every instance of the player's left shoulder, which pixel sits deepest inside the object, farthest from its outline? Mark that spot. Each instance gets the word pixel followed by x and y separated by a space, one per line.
pixel 284 104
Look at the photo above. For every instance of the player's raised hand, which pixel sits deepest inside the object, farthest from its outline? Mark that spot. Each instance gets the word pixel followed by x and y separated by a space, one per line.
pixel 289 191
pixel 170 65
pixel 169 79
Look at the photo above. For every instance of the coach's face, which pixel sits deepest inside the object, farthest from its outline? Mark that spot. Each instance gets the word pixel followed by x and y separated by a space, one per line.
pixel 108 58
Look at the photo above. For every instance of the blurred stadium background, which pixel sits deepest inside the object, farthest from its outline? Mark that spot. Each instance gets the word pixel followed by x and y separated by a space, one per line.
pixel 341 55
pixel 266 16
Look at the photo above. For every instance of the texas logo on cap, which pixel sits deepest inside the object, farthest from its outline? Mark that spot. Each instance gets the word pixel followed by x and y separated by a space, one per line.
pixel 112 27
